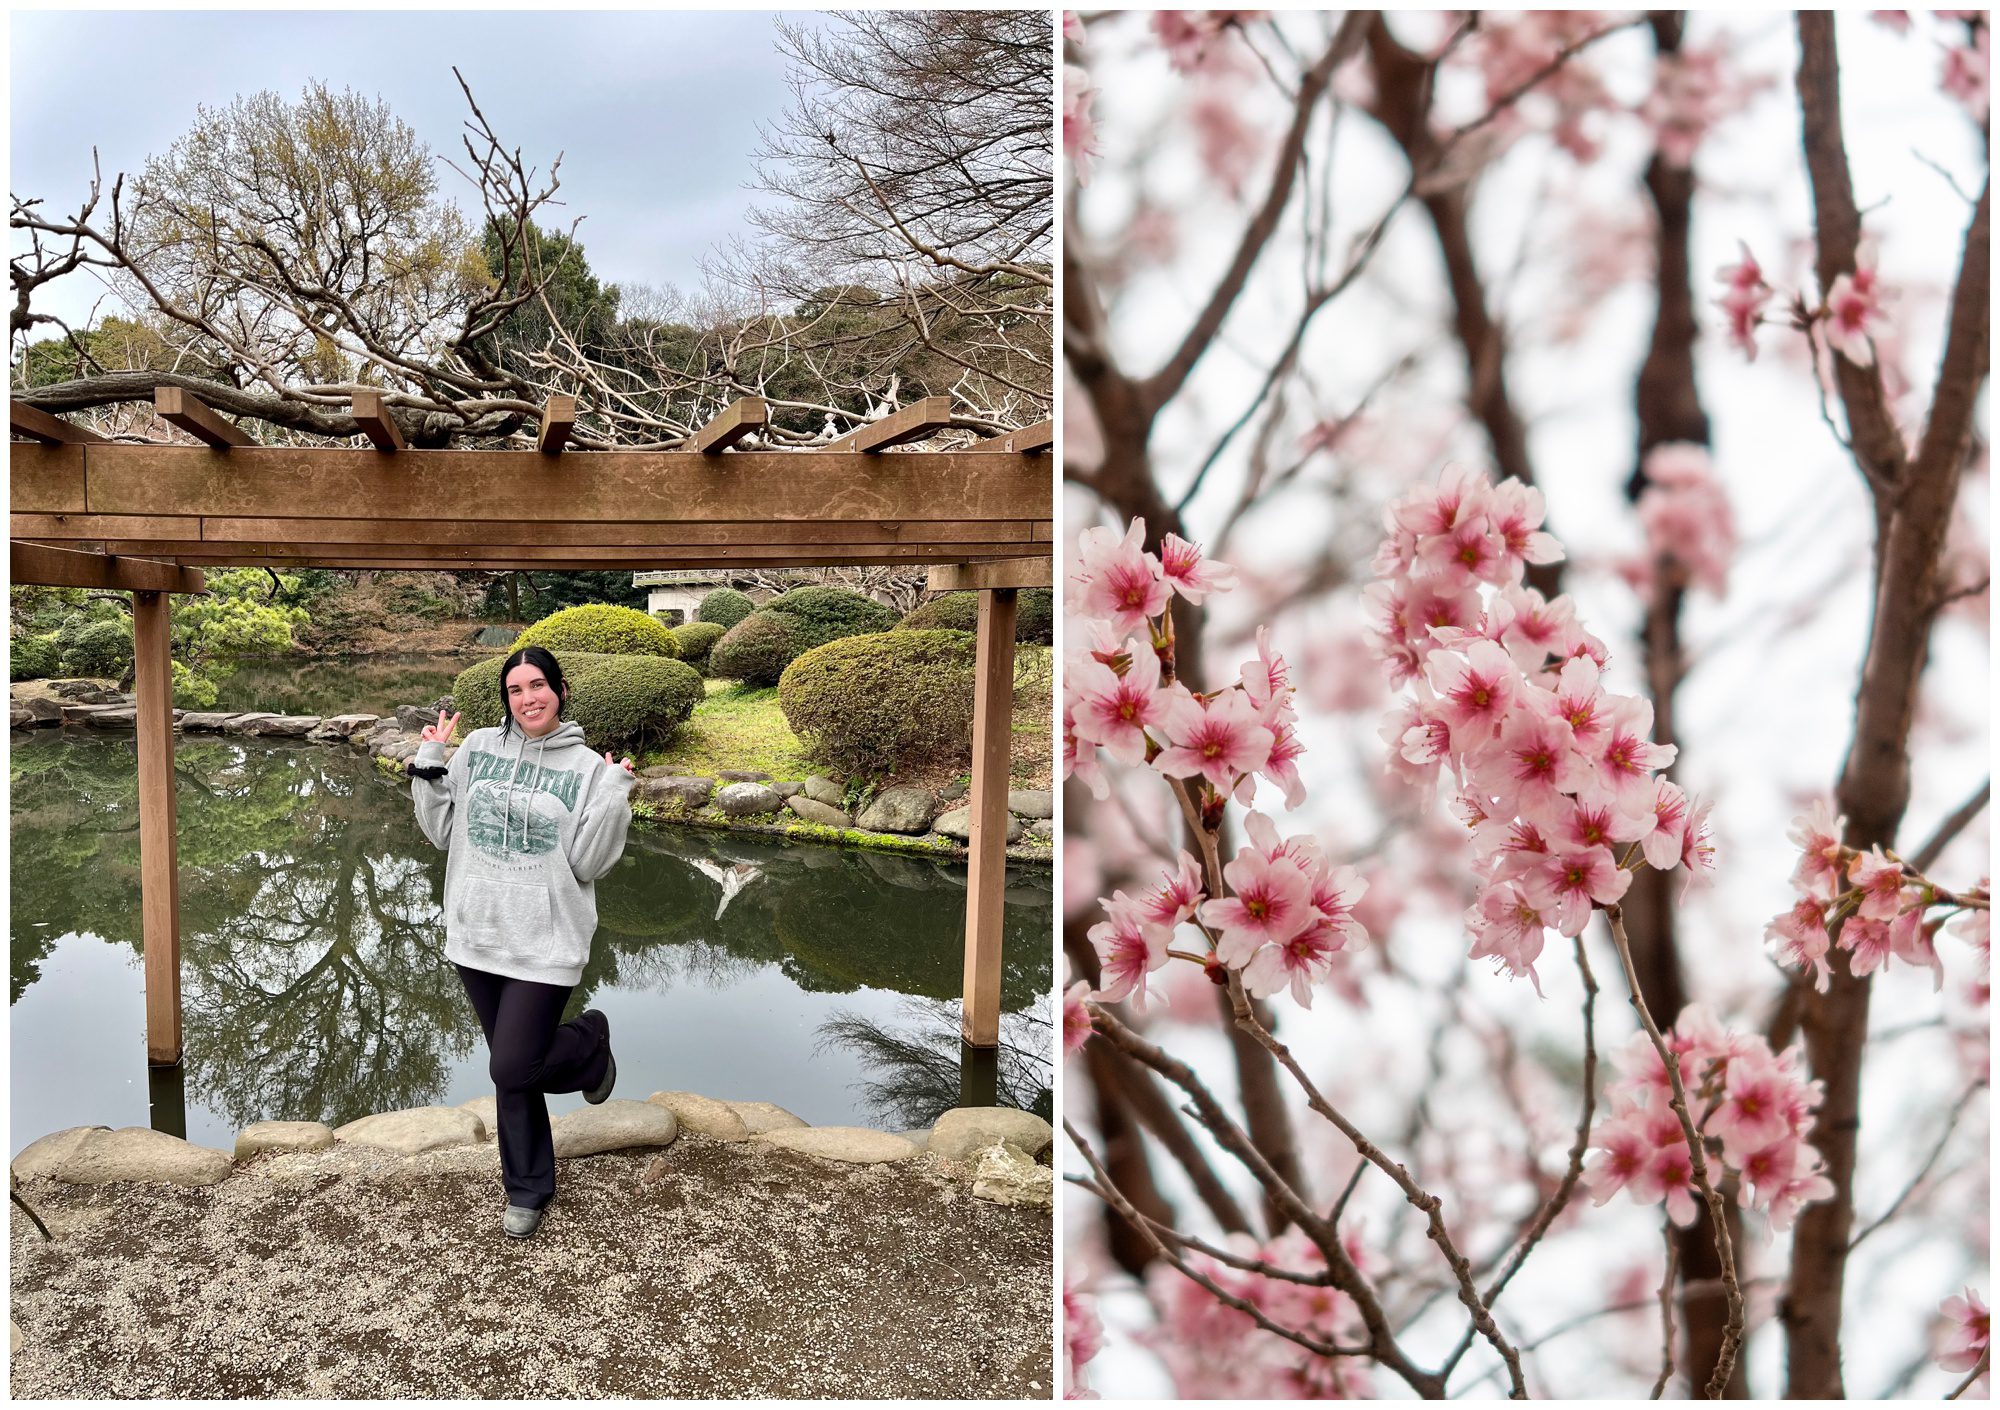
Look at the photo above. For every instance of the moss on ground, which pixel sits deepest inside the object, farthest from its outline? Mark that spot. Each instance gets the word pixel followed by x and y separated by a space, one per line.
pixel 736 727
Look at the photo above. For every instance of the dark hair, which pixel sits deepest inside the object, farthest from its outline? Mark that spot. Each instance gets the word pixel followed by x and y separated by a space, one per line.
pixel 542 660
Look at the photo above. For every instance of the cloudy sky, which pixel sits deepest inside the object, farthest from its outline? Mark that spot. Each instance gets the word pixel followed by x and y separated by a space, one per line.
pixel 655 115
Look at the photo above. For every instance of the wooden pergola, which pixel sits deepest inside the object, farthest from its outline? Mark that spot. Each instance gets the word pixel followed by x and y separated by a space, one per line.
pixel 146 519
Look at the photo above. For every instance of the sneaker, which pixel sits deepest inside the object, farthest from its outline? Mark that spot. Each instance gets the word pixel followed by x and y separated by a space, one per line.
pixel 520 1223
pixel 603 1089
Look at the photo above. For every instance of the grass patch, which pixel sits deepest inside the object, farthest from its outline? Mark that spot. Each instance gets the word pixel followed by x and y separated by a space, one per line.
pixel 736 727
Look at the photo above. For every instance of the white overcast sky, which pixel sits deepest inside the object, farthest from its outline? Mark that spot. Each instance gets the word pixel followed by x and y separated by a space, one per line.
pixel 655 114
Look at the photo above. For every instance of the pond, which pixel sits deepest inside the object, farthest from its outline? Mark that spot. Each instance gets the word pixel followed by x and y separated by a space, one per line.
pixel 314 986
pixel 372 685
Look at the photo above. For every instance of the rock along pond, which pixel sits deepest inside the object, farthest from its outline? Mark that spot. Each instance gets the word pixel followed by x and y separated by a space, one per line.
pixel 314 986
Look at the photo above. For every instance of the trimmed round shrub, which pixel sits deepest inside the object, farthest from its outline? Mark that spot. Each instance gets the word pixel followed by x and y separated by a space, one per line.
pixel 1034 615
pixel 725 607
pixel 829 613
pixel 757 649
pixel 876 703
pixel 102 649
pixel 696 640
pixel 623 702
pixel 602 630
pixel 32 657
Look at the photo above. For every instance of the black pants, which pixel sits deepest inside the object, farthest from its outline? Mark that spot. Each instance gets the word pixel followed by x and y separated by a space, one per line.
pixel 532 1053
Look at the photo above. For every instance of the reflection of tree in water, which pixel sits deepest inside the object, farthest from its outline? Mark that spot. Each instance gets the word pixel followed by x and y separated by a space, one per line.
pixel 913 1067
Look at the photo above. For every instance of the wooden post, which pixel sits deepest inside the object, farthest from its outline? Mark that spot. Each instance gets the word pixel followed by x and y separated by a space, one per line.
pixel 992 751
pixel 159 869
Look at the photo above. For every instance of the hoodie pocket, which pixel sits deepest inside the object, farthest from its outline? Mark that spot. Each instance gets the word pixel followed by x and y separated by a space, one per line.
pixel 511 919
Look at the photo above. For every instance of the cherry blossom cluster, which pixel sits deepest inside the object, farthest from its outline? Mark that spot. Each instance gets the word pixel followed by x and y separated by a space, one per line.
pixel 1515 53
pixel 1217 1352
pixel 1971 1332
pixel 1283 909
pixel 1193 38
pixel 1874 904
pixel 1554 774
pixel 1850 316
pixel 1686 516
pixel 1752 1108
pixel 1965 73
pixel 1083 1338
pixel 1694 91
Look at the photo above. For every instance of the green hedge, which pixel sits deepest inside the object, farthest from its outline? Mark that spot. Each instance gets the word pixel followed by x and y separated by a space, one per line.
pixel 624 703
pixel 32 657
pixel 757 649
pixel 102 649
pixel 725 607
pixel 829 613
pixel 602 630
pixel 1034 615
pixel 876 703
pixel 696 640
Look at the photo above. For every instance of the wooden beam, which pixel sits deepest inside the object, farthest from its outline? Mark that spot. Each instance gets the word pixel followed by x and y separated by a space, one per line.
pixel 187 411
pixel 375 422
pixel 38 425
pixel 912 423
pixel 566 560
pixel 66 567
pixel 159 871
pixel 1029 440
pixel 737 420
pixel 518 486
pixel 199 534
pixel 992 754
pixel 558 422
pixel 1014 573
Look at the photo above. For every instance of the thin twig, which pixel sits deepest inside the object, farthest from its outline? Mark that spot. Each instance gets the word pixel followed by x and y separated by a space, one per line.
pixel 1924 1170
pixel 1985 1364
pixel 1732 1334
pixel 1667 1312
pixel 1952 826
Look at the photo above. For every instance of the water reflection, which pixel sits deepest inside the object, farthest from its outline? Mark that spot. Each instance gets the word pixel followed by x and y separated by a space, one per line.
pixel 314 986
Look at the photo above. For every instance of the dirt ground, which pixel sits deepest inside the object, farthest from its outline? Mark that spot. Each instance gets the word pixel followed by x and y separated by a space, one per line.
pixel 743 1271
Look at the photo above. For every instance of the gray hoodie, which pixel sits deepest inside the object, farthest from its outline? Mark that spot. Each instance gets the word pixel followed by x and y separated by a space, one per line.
pixel 530 824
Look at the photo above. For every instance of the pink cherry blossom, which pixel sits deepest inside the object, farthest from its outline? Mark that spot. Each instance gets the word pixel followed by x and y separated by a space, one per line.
pixel 1118 580
pixel 1802 939
pixel 1115 711
pixel 1566 884
pixel 1282 766
pixel 1971 1332
pixel 1072 26
pixel 1853 310
pixel 1686 514
pixel 1083 1338
pixel 1620 771
pixel 1079 128
pixel 1743 300
pixel 1127 951
pixel 1190 574
pixel 1867 944
pixel 1076 1018
pixel 1816 834
pixel 1300 962
pixel 1475 692
pixel 1174 900
pixel 1079 758
pixel 1271 901
pixel 1532 767
pixel 1966 73
pixel 1880 882
pixel 1220 739
pixel 1509 928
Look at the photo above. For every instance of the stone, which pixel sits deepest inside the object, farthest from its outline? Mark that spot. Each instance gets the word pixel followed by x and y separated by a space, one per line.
pixel 284 726
pixel 763 1117
pixel 1032 802
pixel 898 810
pixel 1041 827
pixel 261 1136
pixel 920 1139
pixel 822 789
pixel 43 1158
pixel 402 749
pixel 19 716
pixel 965 1129
pixel 787 788
pixel 415 1130
pixel 957 825
pixel 856 1145
pixel 743 775
pixel 614 1126
pixel 85 691
pixel 343 726
pixel 703 1115
pixel 742 800
pixel 1006 1174
pixel 818 812
pixel 141 1154
pixel 487 1109
pixel 14 1338
pixel 46 709
pixel 414 717
pixel 689 790
pixel 113 717
pixel 80 714
pixel 208 721
pixel 954 791
pixel 242 724
pixel 494 636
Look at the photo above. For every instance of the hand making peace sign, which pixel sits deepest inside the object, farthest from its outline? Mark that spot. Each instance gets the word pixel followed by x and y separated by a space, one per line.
pixel 625 763
pixel 442 730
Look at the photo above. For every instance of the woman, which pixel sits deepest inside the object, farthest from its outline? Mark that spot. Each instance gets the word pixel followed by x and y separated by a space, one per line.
pixel 531 817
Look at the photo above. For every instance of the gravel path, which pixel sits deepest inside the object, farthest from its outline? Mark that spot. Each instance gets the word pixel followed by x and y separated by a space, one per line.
pixel 740 1271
